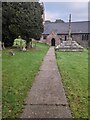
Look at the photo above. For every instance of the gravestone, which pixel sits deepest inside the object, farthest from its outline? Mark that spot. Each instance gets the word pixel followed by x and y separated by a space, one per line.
pixel 3 47
pixel 11 53
pixel 69 44
pixel 24 49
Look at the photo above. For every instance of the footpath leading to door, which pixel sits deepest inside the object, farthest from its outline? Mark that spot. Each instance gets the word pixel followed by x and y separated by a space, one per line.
pixel 46 98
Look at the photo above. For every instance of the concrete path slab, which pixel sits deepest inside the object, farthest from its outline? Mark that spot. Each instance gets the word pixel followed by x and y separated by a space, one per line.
pixel 46 98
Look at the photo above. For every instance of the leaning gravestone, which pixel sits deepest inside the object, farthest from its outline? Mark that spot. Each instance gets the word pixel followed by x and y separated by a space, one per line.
pixel 11 52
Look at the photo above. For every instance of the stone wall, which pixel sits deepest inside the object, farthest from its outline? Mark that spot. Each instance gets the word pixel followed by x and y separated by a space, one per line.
pixel 61 37
pixel 77 38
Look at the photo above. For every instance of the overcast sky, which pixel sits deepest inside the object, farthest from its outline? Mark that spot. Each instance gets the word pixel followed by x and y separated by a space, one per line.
pixel 61 10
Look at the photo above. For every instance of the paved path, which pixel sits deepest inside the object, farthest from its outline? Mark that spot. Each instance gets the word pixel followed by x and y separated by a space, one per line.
pixel 46 98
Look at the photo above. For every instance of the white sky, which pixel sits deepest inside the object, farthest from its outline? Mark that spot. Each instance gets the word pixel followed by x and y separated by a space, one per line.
pixel 56 9
pixel 64 0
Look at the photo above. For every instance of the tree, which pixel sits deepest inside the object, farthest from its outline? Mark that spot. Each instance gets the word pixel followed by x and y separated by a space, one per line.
pixel 59 21
pixel 23 18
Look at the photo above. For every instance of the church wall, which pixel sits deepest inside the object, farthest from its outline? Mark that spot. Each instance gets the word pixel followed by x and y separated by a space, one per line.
pixel 80 38
pixel 63 37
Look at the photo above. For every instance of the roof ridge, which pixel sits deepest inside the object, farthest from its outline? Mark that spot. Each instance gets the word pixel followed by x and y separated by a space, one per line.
pixel 65 22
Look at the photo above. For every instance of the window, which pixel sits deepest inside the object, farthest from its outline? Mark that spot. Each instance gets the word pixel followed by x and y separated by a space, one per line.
pixel 65 38
pixel 85 37
pixel 82 37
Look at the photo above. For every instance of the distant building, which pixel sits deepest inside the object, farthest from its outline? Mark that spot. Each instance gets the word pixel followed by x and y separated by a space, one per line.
pixel 55 32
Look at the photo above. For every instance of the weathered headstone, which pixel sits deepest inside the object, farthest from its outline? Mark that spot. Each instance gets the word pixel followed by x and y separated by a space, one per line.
pixel 24 49
pixel 3 47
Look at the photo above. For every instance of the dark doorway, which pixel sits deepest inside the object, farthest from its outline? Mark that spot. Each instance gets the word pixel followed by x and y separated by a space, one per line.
pixel 53 42
pixel 65 38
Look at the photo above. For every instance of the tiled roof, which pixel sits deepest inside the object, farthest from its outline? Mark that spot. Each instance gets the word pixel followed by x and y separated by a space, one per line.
pixel 59 28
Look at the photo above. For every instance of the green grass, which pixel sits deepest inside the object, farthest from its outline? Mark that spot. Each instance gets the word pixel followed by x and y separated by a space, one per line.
pixel 73 67
pixel 18 73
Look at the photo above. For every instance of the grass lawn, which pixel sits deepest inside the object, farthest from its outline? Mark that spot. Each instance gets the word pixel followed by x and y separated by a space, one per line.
pixel 18 73
pixel 73 67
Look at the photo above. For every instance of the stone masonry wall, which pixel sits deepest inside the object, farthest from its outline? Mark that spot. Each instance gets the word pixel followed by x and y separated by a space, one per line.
pixel 60 38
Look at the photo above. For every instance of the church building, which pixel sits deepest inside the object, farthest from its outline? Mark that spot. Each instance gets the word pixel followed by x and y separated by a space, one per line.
pixel 56 32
